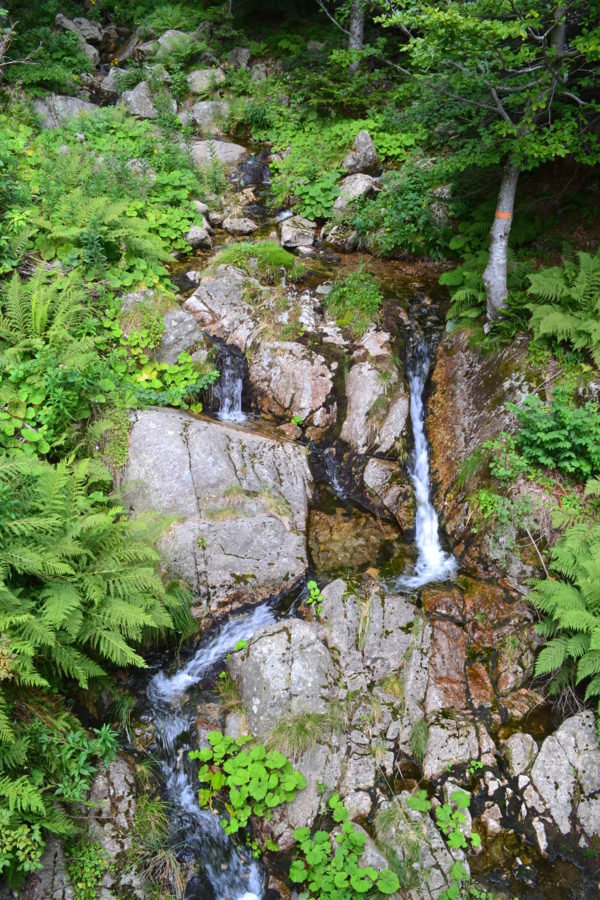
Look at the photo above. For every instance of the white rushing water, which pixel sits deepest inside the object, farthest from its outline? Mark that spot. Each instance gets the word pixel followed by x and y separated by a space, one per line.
pixel 233 875
pixel 228 390
pixel 433 563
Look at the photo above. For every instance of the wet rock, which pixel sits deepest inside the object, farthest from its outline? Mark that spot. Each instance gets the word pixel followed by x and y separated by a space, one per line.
pixel 203 153
pixel 290 380
pixel 51 881
pixel 200 81
pixel 240 499
pixel 453 741
pixel 297 232
pixel 182 333
pixel 239 225
pixel 343 238
pixel 566 777
pixel 353 187
pixel 347 538
pixel 389 489
pixel 111 819
pixel 363 157
pixel 519 751
pixel 208 114
pixel 286 670
pixel 239 57
pixel 199 888
pixel 491 819
pixel 377 409
pixel 139 101
pixel 467 407
pixel 199 236
pixel 219 307
pixel 447 685
pixel 55 109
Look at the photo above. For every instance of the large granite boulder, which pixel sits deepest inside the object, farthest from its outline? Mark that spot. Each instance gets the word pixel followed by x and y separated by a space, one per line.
pixel 208 114
pixel 290 380
pixel 565 780
pixel 55 109
pixel 204 152
pixel 377 410
pixel 363 156
pixel 200 81
pixel 219 306
pixel 239 502
pixel 353 187
pixel 297 232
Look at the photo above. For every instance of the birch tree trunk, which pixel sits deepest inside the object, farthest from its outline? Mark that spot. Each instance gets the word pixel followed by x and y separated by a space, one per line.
pixel 356 29
pixel 495 273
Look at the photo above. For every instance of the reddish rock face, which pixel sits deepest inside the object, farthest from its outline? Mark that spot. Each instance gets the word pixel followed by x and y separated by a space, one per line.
pixel 483 645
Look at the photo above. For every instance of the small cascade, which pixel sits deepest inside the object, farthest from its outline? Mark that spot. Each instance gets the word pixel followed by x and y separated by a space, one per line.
pixel 230 386
pixel 433 563
pixel 232 873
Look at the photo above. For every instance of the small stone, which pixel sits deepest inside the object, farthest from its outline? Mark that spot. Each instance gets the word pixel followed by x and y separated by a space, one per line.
pixel 297 232
pixel 519 752
pixel 215 218
pixel 198 236
pixel 358 804
pixel 200 81
pixel 491 818
pixel 239 225
pixel 540 834
pixel 239 57
pixel 201 207
pixel 109 83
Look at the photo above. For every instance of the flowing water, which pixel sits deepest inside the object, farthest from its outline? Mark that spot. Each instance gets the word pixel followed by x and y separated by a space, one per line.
pixel 433 563
pixel 229 388
pixel 232 874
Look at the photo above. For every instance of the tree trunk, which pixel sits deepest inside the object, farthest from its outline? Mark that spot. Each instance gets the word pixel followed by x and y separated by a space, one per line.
pixel 494 276
pixel 356 30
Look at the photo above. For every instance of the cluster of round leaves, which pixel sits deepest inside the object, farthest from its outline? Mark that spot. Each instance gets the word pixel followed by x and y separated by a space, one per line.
pixel 250 781
pixel 333 871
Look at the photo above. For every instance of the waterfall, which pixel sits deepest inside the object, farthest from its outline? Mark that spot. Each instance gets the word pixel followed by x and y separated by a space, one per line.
pixel 433 563
pixel 232 872
pixel 228 390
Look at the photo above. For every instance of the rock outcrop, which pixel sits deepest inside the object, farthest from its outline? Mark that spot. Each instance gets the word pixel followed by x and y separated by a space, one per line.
pixel 55 109
pixel 363 157
pixel 239 502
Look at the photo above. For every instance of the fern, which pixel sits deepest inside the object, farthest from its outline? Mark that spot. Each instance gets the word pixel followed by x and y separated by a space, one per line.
pixel 571 607
pixel 570 307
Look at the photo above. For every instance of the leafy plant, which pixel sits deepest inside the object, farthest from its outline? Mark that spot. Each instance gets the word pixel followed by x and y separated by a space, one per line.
pixel 559 434
pixel 249 781
pixel 330 868
pixel 571 608
pixel 570 303
pixel 86 867
pixel 315 597
pixel 355 301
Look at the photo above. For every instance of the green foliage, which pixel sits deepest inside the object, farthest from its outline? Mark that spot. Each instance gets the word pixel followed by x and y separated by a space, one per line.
pixel 87 866
pixel 418 739
pixel 297 420
pixel 332 870
pixel 567 306
pixel 355 300
pixel 559 434
pixel 403 218
pixel 295 734
pixel 570 603
pixel 315 597
pixel 248 782
pixel 263 259
pixel 450 819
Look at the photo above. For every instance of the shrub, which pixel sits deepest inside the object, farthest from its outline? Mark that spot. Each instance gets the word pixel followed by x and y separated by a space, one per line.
pixel 571 607
pixel 559 434
pixel 355 301
pixel 570 307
